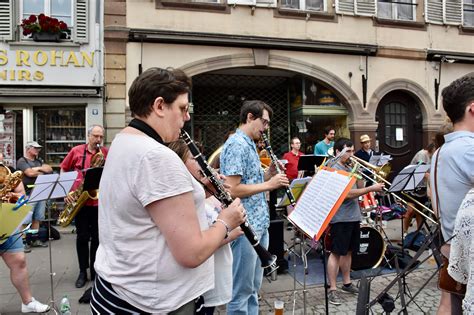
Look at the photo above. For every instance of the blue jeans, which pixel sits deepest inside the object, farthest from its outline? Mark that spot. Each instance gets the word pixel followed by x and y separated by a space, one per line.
pixel 247 275
pixel 38 211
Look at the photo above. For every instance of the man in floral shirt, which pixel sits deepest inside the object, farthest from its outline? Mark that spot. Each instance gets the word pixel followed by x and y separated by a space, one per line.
pixel 240 164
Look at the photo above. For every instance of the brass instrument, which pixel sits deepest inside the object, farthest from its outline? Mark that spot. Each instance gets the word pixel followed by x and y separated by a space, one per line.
pixel 215 156
pixel 80 196
pixel 9 183
pixel 380 173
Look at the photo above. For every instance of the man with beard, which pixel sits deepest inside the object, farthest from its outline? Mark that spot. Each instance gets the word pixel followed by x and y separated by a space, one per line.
pixel 323 146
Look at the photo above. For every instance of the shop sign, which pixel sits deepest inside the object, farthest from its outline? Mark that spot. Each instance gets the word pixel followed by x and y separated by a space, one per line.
pixel 48 66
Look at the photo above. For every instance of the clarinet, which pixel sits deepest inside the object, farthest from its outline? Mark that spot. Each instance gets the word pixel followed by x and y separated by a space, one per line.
pixel 268 260
pixel 274 159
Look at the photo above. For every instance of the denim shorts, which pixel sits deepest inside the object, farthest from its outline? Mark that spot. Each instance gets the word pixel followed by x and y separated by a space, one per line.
pixel 13 244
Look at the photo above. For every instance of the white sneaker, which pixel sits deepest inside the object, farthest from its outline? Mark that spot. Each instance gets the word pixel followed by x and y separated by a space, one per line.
pixel 34 307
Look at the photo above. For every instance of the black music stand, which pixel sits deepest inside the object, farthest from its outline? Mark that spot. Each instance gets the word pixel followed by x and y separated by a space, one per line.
pixel 409 178
pixel 308 162
pixel 92 178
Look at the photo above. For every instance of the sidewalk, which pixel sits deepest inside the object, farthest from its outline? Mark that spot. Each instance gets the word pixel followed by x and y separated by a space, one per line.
pixel 65 267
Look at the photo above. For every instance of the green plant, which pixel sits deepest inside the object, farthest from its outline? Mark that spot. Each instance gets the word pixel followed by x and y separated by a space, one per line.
pixel 42 23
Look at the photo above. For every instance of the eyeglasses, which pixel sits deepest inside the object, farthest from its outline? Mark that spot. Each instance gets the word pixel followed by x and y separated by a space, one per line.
pixel 265 121
pixel 185 109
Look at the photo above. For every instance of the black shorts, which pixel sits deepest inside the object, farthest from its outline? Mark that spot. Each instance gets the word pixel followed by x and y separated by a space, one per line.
pixel 345 237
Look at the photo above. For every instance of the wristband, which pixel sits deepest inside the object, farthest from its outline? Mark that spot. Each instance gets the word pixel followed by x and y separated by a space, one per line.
pixel 227 230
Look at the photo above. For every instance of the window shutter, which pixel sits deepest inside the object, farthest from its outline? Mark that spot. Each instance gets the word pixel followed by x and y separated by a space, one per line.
pixel 266 3
pixel 242 2
pixel 345 7
pixel 81 21
pixel 452 12
pixel 6 22
pixel 434 11
pixel 366 7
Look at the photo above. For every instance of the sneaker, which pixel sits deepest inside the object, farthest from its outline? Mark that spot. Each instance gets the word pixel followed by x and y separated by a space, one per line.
pixel 334 298
pixel 38 243
pixel 34 307
pixel 350 289
pixel 27 248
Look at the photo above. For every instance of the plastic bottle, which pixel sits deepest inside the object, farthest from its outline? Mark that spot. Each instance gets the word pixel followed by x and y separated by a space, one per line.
pixel 65 307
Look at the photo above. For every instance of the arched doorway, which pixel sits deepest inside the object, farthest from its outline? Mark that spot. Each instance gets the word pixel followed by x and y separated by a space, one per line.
pixel 400 131
pixel 302 105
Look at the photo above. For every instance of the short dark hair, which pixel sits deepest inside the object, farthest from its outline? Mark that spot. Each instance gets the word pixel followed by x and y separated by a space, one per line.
pixel 430 147
pixel 155 82
pixel 457 96
pixel 294 138
pixel 255 108
pixel 341 143
pixel 328 129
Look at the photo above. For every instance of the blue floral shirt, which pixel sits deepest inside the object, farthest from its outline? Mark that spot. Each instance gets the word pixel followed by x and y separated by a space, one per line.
pixel 239 157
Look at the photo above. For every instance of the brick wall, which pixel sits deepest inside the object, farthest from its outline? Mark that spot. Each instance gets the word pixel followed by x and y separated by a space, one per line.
pixel 115 40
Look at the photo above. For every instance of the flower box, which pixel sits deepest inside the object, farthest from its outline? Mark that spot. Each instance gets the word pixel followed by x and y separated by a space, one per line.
pixel 46 37
pixel 43 28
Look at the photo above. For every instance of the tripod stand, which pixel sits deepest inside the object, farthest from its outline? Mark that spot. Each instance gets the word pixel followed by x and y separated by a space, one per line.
pixel 48 187
pixel 364 305
pixel 303 256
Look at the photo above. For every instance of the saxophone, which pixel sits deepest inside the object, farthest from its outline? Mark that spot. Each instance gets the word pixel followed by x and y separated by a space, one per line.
pixel 10 182
pixel 80 197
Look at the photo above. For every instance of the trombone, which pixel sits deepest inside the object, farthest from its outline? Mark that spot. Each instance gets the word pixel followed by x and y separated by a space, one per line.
pixel 380 172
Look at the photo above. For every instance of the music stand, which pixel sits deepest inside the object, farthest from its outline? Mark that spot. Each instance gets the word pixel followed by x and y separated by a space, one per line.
pixel 309 161
pixel 409 178
pixel 379 159
pixel 92 178
pixel 47 187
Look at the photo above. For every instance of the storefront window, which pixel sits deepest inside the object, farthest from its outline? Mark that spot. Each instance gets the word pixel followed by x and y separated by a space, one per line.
pixel 58 130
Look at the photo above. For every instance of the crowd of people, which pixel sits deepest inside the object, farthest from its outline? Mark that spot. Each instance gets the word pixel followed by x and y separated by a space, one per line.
pixel 168 245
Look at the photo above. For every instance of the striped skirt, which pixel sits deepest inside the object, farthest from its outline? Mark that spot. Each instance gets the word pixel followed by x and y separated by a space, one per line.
pixel 104 300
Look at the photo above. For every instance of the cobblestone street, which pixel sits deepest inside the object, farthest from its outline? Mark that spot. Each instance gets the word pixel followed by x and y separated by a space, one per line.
pixel 66 270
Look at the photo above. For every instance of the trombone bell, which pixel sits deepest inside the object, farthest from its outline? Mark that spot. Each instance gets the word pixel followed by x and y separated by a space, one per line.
pixel 380 171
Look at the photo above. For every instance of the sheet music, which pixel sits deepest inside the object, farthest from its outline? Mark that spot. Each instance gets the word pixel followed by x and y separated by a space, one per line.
pixel 379 160
pixel 318 200
pixel 409 178
pixel 61 183
pixel 297 186
pixel 10 220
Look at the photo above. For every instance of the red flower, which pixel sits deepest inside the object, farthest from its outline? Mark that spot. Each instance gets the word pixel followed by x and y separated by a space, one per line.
pixel 42 23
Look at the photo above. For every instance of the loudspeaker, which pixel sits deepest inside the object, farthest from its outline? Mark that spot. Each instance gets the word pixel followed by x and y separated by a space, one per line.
pixel 276 244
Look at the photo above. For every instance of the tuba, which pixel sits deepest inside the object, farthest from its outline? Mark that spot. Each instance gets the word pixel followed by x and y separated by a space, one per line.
pixel 9 183
pixel 80 196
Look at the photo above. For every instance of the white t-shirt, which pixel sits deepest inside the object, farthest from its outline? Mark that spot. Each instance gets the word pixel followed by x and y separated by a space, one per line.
pixel 222 292
pixel 133 255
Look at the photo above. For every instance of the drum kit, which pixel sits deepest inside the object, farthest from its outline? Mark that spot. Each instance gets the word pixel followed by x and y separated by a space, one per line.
pixel 374 241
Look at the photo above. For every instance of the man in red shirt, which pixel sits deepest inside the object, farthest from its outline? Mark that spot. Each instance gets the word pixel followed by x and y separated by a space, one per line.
pixel 293 157
pixel 86 220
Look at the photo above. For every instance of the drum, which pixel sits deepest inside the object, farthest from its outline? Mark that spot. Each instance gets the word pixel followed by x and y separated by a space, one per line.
pixel 371 248
pixel 368 202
